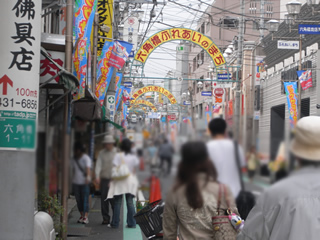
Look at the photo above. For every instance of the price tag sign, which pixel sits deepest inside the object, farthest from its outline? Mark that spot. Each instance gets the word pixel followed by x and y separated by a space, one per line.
pixel 19 78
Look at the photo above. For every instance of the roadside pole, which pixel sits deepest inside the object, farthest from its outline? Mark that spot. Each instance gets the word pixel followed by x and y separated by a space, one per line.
pixel 19 97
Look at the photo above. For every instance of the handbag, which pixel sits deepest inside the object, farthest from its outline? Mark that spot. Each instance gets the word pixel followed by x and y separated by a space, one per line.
pixel 222 227
pixel 120 172
pixel 245 200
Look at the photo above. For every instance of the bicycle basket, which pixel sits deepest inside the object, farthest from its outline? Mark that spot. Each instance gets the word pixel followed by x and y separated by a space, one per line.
pixel 149 218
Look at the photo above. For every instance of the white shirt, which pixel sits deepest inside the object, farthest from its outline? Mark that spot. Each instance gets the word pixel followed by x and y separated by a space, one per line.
pixel 78 176
pixel 130 159
pixel 222 153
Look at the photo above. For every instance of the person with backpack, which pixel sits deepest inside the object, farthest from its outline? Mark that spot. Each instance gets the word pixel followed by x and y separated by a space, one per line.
pixel 81 164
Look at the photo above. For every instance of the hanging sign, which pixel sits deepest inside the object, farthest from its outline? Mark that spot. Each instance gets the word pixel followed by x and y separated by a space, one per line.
pixel 305 78
pixel 309 29
pixel 158 89
pixel 186 34
pixel 206 93
pixel 19 79
pixel 292 98
pixel 218 84
pixel 282 44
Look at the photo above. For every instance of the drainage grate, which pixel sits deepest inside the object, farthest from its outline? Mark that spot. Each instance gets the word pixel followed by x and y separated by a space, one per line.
pixel 79 231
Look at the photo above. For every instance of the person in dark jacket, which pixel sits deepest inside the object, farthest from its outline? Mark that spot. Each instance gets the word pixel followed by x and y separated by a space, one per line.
pixel 166 152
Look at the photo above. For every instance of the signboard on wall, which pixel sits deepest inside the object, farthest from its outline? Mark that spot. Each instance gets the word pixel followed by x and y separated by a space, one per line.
pixel 19 79
pixel 282 44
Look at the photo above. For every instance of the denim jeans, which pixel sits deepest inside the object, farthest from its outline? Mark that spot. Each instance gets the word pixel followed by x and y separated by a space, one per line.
pixel 81 192
pixel 117 201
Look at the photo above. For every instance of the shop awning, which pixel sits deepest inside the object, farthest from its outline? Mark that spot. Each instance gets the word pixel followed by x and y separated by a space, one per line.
pixel 104 119
pixel 67 79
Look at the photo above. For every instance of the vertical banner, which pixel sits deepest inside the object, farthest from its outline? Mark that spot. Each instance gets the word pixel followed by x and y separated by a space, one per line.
pixel 305 78
pixel 110 106
pixel 292 98
pixel 105 10
pixel 208 117
pixel 82 45
pixel 104 72
pixel 118 97
pixel 126 94
pixel 120 54
pixel 19 79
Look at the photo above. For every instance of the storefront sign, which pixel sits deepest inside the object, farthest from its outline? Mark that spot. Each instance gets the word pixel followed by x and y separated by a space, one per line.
pixel 19 80
pixel 224 76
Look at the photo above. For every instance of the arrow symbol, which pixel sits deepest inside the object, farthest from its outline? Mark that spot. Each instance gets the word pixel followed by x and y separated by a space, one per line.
pixel 5 80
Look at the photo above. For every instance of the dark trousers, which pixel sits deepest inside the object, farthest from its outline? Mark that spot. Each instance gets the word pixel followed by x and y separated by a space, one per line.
pixel 169 161
pixel 104 189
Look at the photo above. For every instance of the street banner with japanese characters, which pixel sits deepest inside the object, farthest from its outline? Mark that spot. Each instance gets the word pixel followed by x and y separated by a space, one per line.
pixel 19 80
pixel 118 96
pixel 305 78
pixel 105 11
pixel 104 72
pixel 292 98
pixel 82 47
pixel 158 89
pixel 309 29
pixel 146 103
pixel 186 34
pixel 120 54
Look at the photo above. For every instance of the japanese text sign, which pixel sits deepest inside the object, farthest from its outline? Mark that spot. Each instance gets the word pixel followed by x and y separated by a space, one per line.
pixel 105 10
pixel 158 89
pixel 19 79
pixel 309 29
pixel 180 34
pixel 146 103
pixel 292 98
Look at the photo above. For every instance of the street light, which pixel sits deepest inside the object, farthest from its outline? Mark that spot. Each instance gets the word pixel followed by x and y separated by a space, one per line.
pixel 273 25
pixel 294 8
pixel 313 2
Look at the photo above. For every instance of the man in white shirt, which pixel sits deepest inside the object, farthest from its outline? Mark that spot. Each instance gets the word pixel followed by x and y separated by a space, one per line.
pixel 222 153
pixel 103 174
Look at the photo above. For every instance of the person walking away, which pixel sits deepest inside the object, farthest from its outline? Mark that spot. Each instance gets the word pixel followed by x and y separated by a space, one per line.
pixel 222 152
pixel 127 186
pixel 103 172
pixel 289 209
pixel 193 200
pixel 252 163
pixel 81 180
pixel 152 154
pixel 166 152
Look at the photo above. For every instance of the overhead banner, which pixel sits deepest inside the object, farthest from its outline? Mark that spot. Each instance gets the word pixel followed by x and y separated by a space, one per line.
pixel 146 103
pixel 186 34
pixel 104 72
pixel 292 98
pixel 158 89
pixel 305 78
pixel 19 79
pixel 105 11
pixel 119 54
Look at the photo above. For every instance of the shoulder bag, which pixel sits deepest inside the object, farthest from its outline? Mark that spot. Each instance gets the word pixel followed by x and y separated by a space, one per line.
pixel 91 184
pixel 222 227
pixel 120 172
pixel 245 200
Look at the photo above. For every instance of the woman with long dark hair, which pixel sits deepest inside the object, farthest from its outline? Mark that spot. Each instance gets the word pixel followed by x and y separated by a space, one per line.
pixel 192 202
pixel 127 186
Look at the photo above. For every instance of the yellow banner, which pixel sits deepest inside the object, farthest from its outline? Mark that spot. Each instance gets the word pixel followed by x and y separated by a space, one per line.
pixel 180 34
pixel 160 99
pixel 146 103
pixel 158 89
pixel 105 10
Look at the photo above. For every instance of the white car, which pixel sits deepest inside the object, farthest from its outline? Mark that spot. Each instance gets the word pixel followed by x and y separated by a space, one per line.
pixel 133 118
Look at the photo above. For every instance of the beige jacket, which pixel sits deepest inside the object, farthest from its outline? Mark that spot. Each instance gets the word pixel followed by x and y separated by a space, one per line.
pixel 193 224
pixel 104 163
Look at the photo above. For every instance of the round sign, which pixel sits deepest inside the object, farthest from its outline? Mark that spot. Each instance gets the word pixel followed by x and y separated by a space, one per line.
pixel 131 21
pixel 219 92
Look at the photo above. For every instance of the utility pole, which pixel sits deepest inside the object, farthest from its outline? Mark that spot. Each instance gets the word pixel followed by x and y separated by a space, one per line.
pixel 239 64
pixel 299 84
pixel 261 19
pixel 66 119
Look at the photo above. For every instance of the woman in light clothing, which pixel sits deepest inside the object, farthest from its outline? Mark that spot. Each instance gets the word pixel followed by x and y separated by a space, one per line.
pixel 127 186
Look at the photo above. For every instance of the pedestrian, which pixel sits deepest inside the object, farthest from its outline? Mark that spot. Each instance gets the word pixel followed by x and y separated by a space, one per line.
pixel 103 172
pixel 193 200
pixel 152 154
pixel 222 152
pixel 166 152
pixel 252 159
pixel 127 186
pixel 289 209
pixel 81 179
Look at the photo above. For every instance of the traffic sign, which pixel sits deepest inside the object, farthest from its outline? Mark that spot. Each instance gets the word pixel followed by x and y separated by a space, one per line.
pixel 206 93
pixel 19 79
pixel 218 92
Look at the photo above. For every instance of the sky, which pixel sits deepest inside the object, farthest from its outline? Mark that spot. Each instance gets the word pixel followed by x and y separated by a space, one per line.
pixel 163 59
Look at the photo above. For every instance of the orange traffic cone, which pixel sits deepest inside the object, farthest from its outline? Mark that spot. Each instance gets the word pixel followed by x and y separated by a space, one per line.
pixel 141 164
pixel 155 189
